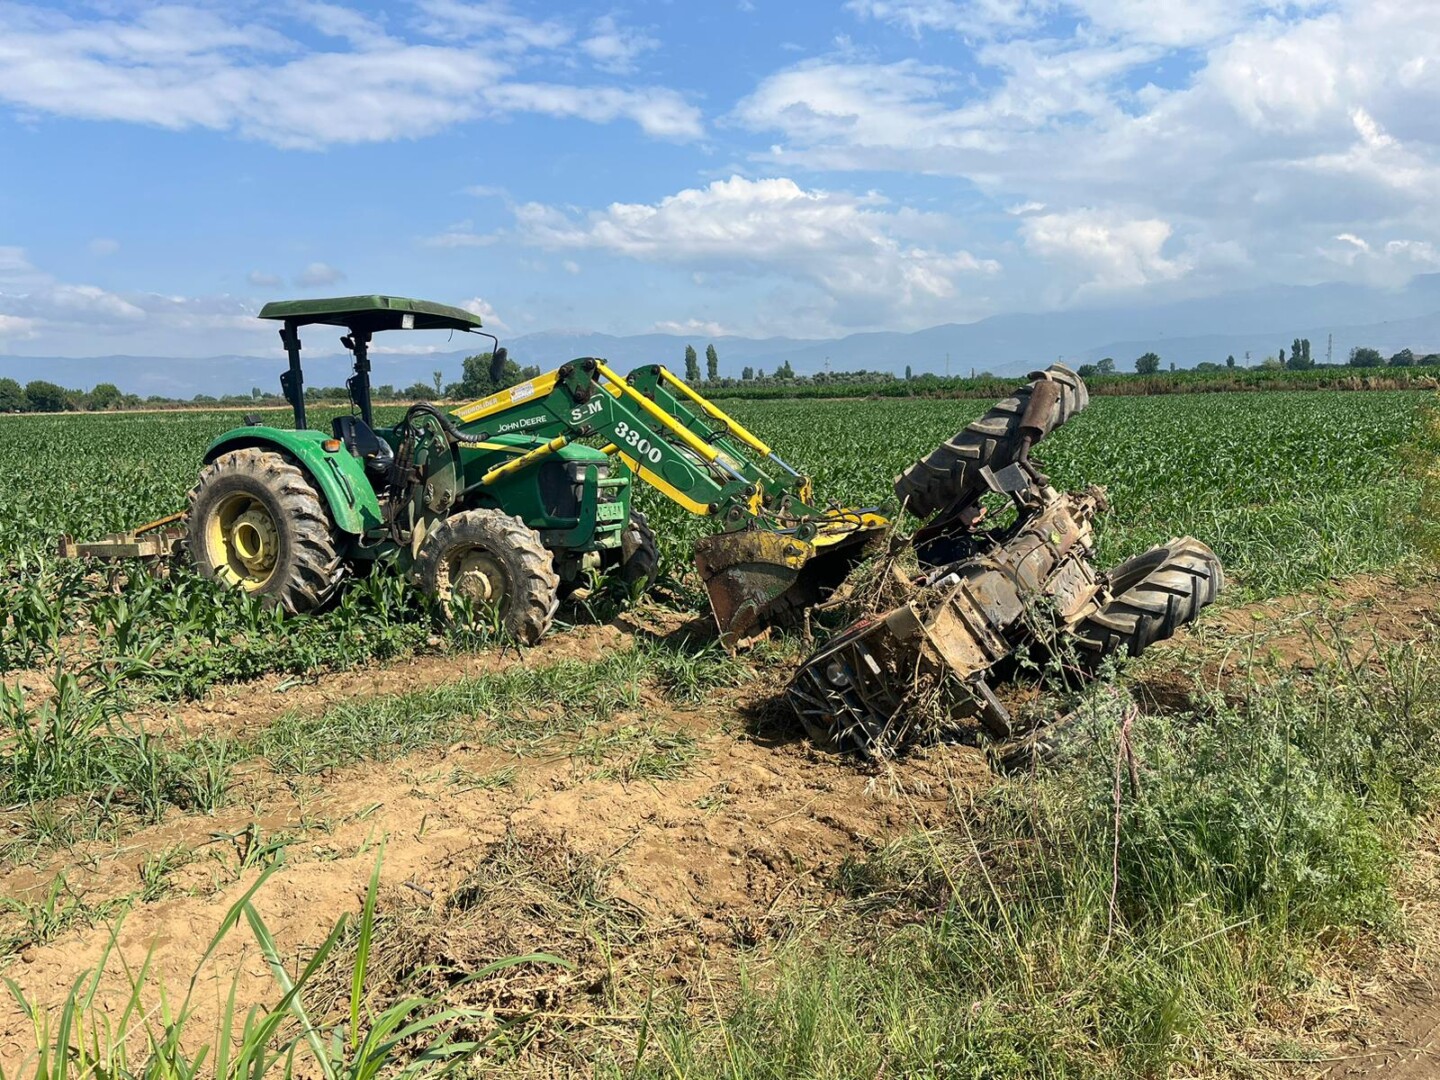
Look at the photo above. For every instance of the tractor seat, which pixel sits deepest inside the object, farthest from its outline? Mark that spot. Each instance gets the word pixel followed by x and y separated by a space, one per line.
pixel 362 441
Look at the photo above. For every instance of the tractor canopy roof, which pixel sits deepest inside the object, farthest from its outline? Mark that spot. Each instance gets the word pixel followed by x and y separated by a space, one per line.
pixel 372 313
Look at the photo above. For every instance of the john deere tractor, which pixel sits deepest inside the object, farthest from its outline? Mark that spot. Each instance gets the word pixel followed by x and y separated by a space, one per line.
pixel 501 505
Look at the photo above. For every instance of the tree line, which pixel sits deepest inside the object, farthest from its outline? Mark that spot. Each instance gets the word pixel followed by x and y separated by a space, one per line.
pixel 481 376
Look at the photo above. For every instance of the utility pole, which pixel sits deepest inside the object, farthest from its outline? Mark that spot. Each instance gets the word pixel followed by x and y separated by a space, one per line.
pixel 1329 348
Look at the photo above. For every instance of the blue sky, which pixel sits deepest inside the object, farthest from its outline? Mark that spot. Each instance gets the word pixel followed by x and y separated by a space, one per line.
pixel 755 167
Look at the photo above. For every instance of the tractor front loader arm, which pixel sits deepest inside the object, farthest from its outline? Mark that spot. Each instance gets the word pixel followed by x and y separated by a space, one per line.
pixel 774 551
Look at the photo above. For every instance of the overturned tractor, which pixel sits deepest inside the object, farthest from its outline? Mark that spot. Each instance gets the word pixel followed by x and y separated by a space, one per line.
pixel 976 587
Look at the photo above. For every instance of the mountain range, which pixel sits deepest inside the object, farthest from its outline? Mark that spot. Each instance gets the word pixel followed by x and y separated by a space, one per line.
pixel 1248 325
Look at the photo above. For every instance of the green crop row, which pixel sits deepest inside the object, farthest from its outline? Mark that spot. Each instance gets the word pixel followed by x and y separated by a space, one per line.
pixel 1290 488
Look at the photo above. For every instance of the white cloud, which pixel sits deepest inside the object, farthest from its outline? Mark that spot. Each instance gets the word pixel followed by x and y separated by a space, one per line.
pixel 317 274
pixel 1275 127
pixel 570 266
pixel 103 245
pixel 14 327
pixel 615 48
pixel 487 313
pixel 699 327
pixel 81 319
pixel 183 67
pixel 1114 252
pixel 870 263
pixel 262 280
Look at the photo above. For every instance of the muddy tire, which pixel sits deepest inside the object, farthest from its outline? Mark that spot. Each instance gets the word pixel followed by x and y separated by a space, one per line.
pixel 257 522
pixel 1155 594
pixel 1047 745
pixel 950 473
pixel 638 559
pixel 496 562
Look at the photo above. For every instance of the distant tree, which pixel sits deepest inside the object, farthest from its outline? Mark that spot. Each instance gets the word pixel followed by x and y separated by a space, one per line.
pixel 1363 356
pixel 104 396
pixel 418 391
pixel 42 396
pixel 712 363
pixel 1106 366
pixel 481 376
pixel 1208 365
pixel 908 375
pixel 760 373
pixel 1088 371
pixel 1230 360
pixel 1403 358
pixel 437 376
pixel 1270 363
pixel 1172 365
pixel 12 397
pixel 747 373
pixel 785 371
pixel 692 365
pixel 1282 357
pixel 1148 364
pixel 1299 355
pixel 256 393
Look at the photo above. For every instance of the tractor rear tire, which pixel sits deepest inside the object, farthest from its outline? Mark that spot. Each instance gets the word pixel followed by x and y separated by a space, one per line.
pixel 256 521
pixel 950 473
pixel 639 555
pixel 493 559
pixel 1155 593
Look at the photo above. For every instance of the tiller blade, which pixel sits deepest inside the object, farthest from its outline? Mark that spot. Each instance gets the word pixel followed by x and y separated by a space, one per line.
pixel 758 578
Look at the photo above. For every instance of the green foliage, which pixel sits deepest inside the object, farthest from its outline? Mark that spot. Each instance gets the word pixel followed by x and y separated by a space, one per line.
pixel 104 396
pixel 712 363
pixel 483 376
pixel 12 397
pixel 692 365
pixel 1148 364
pixel 43 396
pixel 1362 356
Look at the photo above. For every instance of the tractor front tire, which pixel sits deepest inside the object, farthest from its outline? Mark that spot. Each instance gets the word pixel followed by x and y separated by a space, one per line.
pixel 950 473
pixel 1155 593
pixel 257 522
pixel 495 561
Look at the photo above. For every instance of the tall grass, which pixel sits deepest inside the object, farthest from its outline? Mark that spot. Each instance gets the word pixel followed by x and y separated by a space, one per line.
pixel 148 1036
pixel 1077 926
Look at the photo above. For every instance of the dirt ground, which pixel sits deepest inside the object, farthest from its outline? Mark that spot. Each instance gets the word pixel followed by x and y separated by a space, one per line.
pixel 675 878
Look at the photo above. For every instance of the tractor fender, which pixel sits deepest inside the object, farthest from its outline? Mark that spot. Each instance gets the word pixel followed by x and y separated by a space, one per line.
pixel 339 475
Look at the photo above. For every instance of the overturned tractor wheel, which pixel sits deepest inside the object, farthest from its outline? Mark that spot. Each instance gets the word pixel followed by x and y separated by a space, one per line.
pixel 256 522
pixel 1155 593
pixel 950 474
pixel 485 563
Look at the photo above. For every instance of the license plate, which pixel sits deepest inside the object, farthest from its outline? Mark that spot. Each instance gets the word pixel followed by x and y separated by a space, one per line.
pixel 610 512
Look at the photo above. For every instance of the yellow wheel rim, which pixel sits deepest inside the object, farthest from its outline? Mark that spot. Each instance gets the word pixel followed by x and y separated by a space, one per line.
pixel 243 541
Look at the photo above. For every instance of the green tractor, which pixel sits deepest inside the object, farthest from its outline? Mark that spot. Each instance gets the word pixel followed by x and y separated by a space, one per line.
pixel 503 504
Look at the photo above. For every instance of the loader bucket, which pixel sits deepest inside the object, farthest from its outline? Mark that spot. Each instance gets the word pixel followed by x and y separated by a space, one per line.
pixel 758 578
